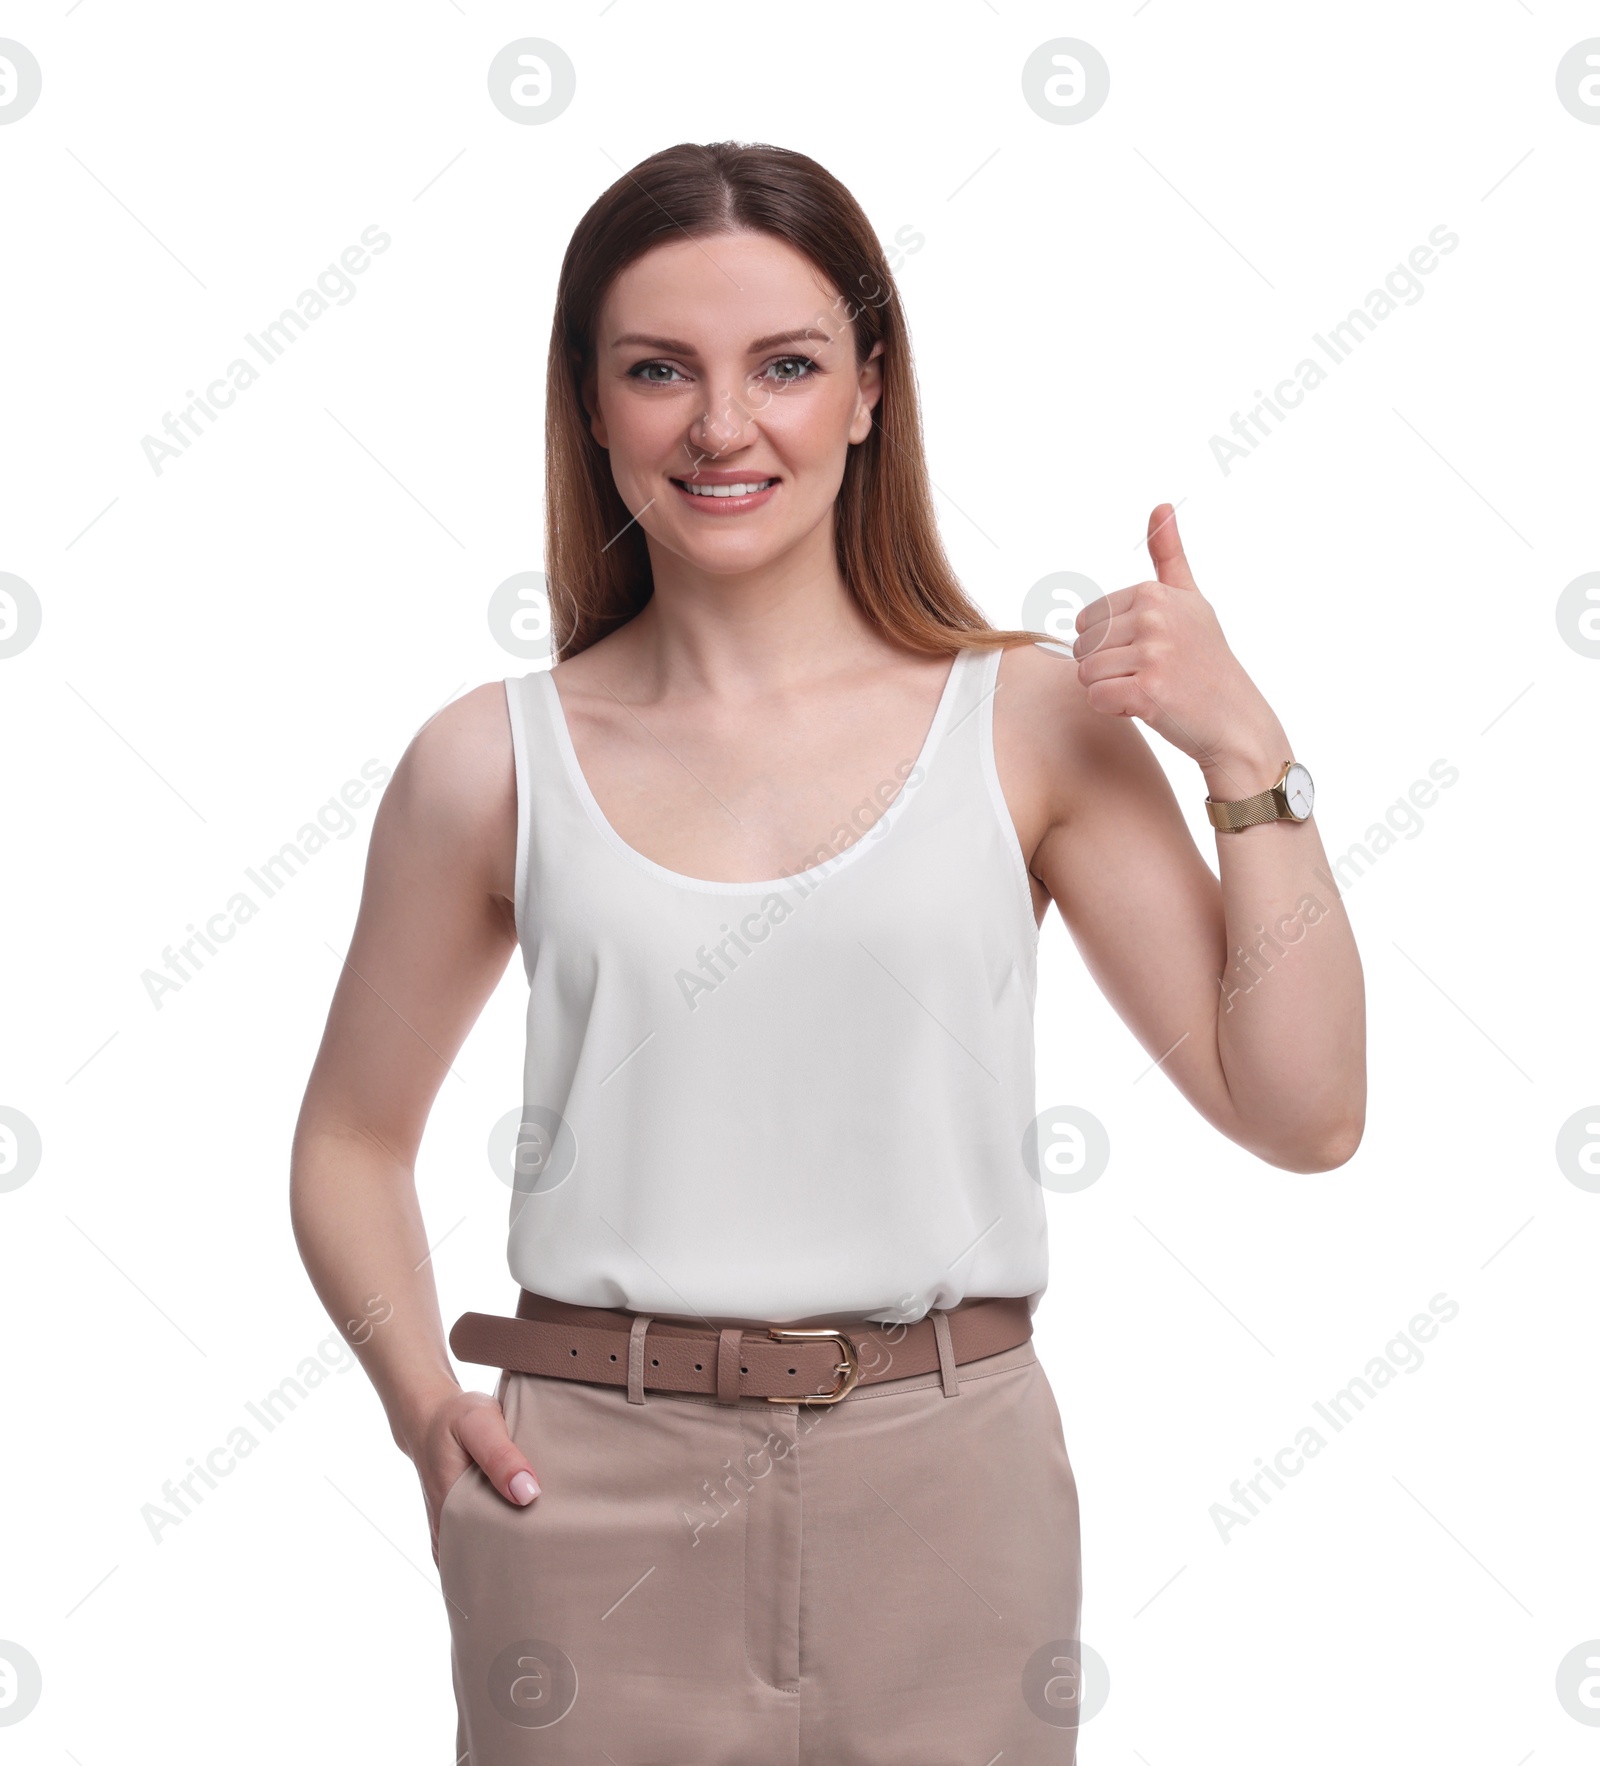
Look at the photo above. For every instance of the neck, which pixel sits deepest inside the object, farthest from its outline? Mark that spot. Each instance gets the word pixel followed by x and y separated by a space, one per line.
pixel 748 633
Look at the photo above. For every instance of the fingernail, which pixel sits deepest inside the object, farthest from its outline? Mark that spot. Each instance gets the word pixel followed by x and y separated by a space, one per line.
pixel 523 1487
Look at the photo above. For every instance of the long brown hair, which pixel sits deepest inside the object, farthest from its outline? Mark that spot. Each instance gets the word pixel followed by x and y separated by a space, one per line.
pixel 888 546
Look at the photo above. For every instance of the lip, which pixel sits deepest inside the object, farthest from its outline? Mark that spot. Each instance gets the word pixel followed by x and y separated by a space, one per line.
pixel 727 505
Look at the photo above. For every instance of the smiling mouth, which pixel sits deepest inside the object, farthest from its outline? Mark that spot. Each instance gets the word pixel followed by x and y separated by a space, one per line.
pixel 746 488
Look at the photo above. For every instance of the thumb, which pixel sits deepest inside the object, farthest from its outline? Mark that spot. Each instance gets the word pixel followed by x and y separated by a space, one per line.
pixel 484 1435
pixel 1166 549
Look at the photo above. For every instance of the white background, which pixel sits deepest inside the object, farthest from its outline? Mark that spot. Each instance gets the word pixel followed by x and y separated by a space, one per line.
pixel 225 643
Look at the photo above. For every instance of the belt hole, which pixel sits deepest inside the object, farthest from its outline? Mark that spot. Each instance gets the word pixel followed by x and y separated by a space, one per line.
pixel 613 1358
pixel 572 1352
pixel 655 1361
pixel 697 1367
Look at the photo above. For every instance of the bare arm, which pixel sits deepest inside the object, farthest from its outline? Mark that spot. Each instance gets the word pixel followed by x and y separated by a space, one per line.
pixel 1248 989
pixel 432 939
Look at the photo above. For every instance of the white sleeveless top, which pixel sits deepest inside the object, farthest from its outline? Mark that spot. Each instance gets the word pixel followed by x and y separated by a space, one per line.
pixel 771 1101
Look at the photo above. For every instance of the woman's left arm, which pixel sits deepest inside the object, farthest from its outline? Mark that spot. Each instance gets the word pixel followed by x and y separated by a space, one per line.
pixel 1248 990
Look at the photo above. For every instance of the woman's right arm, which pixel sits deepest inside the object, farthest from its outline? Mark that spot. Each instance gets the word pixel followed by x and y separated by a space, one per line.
pixel 432 938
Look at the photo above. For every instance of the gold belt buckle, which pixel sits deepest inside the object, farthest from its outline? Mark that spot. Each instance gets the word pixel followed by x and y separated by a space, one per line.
pixel 849 1369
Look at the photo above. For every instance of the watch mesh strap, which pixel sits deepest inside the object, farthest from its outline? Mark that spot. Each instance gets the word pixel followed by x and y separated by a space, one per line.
pixel 1247 811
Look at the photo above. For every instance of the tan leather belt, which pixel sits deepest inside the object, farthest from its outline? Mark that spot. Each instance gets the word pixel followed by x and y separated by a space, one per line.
pixel 786 1364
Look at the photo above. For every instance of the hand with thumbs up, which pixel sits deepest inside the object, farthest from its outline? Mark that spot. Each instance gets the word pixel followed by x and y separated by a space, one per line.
pixel 1155 651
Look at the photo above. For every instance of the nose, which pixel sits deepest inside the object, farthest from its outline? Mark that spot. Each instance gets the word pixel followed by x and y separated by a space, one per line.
pixel 723 425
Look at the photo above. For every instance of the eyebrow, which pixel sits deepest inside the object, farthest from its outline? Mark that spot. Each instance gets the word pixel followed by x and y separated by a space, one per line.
pixel 675 346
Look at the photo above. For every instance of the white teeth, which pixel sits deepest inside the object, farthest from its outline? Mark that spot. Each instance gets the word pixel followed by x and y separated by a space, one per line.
pixel 728 490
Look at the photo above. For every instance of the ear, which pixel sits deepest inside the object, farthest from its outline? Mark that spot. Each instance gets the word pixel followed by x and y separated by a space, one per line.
pixel 869 389
pixel 587 397
pixel 592 410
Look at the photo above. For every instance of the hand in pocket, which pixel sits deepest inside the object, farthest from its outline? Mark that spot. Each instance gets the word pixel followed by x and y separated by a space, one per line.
pixel 469 1429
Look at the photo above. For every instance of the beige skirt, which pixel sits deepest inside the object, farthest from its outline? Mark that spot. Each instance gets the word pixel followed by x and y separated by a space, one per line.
pixel 892 1580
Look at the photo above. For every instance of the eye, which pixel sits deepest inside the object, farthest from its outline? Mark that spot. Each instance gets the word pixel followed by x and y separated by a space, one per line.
pixel 639 372
pixel 803 362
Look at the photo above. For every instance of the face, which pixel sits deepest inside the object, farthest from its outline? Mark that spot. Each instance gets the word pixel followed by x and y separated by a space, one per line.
pixel 728 361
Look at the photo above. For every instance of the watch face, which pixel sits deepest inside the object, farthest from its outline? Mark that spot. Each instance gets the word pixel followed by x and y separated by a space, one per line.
pixel 1299 791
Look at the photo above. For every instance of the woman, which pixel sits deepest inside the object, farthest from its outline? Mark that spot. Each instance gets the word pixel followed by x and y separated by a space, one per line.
pixel 775 837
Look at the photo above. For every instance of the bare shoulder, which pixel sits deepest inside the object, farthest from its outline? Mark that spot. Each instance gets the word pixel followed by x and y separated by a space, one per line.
pixel 1054 752
pixel 594 684
pixel 454 797
pixel 1038 688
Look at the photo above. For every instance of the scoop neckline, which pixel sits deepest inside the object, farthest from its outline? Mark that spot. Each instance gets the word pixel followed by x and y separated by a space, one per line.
pixel 872 837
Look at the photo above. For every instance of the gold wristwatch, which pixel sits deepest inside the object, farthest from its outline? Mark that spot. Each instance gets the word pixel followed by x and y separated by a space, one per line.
pixel 1288 799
